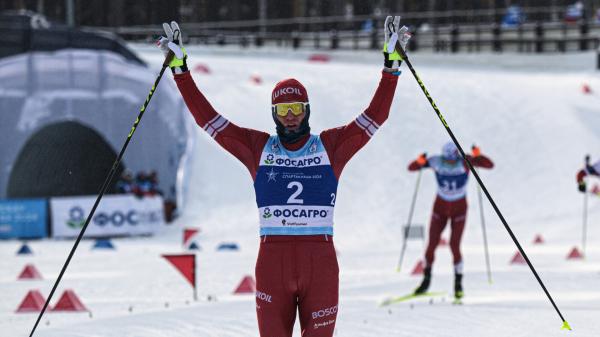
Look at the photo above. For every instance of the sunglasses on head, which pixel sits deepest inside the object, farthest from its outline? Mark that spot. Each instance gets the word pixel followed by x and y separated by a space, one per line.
pixel 282 109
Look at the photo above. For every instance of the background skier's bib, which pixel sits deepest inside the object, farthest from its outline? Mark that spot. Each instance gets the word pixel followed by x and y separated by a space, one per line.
pixel 295 190
pixel 451 179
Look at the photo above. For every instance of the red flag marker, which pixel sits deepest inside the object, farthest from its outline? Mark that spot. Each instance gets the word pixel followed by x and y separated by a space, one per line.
pixel 188 233
pixel 186 265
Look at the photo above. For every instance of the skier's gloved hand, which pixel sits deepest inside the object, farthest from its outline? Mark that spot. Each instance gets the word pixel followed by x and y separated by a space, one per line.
pixel 422 159
pixel 475 151
pixel 173 43
pixel 392 33
pixel 582 187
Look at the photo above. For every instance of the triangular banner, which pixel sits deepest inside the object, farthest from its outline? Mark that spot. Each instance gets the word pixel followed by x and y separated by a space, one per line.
pixel 186 264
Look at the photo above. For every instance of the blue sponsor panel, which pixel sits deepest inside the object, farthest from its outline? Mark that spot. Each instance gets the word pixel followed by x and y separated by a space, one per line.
pixel 26 218
pixel 314 185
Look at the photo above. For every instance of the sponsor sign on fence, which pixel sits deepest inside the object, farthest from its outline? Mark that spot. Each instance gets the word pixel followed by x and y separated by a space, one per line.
pixel 23 219
pixel 117 215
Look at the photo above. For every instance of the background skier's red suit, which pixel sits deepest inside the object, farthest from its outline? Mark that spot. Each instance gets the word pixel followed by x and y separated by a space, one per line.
pixel 455 211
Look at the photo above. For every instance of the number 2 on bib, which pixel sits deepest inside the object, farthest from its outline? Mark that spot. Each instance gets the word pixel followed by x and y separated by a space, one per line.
pixel 293 199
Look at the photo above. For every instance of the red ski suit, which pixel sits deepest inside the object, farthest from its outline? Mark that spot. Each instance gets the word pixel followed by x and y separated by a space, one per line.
pixel 298 272
pixel 443 210
pixel 588 170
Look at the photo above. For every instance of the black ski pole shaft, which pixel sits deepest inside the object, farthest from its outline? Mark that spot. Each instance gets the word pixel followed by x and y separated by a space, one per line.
pixel 585 211
pixel 483 230
pixel 410 215
pixel 103 189
pixel 485 191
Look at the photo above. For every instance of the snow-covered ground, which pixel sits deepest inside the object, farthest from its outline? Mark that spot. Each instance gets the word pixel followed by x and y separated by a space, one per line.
pixel 527 113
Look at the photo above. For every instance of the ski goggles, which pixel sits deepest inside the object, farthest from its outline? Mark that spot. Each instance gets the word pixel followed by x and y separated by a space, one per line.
pixel 282 109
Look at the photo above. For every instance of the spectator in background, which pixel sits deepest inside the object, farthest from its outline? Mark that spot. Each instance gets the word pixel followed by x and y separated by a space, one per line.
pixel 141 184
pixel 598 15
pixel 513 17
pixel 125 184
pixel 575 12
pixel 144 184
pixel 153 181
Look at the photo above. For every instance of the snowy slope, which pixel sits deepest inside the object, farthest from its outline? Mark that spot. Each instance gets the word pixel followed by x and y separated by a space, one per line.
pixel 531 119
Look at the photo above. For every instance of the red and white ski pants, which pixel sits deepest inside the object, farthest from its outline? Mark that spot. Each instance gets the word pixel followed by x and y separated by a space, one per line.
pixel 296 272
pixel 456 212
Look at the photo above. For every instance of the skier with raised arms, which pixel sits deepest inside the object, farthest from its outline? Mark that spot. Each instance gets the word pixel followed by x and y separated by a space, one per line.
pixel 295 177
pixel 452 174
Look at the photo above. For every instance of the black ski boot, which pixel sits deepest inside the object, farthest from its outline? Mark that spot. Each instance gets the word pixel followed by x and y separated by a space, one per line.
pixel 458 289
pixel 426 281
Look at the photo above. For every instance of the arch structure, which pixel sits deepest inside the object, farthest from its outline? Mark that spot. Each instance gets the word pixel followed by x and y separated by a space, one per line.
pixel 67 113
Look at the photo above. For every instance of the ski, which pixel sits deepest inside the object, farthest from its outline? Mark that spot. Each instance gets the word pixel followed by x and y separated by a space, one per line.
pixel 411 296
pixel 457 301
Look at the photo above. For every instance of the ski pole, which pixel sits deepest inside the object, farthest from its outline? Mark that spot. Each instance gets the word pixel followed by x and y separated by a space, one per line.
pixel 485 244
pixel 410 214
pixel 103 189
pixel 487 194
pixel 585 211
pixel 483 231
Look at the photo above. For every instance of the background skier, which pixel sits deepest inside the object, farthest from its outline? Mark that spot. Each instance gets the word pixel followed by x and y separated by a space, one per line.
pixel 295 177
pixel 451 173
pixel 587 170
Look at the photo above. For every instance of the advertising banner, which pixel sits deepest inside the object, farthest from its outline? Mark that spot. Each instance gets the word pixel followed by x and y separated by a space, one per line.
pixel 117 215
pixel 23 218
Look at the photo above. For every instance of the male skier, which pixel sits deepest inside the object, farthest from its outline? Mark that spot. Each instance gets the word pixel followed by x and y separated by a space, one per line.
pixel 295 177
pixel 593 170
pixel 452 174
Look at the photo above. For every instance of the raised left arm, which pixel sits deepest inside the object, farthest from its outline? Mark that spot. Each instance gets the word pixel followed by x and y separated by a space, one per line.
pixel 479 160
pixel 343 142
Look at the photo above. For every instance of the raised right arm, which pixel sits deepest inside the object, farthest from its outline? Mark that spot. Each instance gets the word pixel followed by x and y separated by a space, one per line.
pixel 245 144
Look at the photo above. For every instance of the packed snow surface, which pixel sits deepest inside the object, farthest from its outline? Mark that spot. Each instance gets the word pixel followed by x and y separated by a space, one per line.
pixel 527 113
